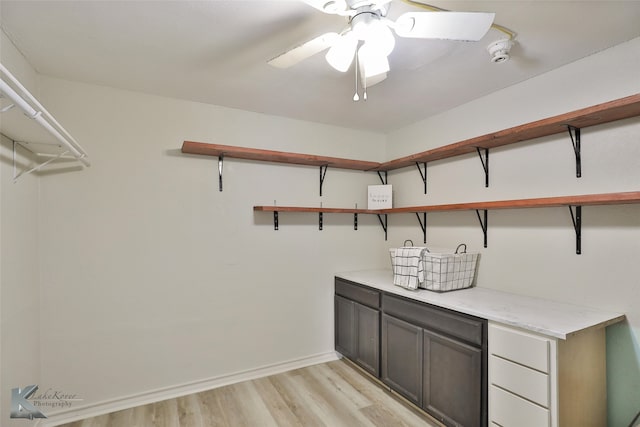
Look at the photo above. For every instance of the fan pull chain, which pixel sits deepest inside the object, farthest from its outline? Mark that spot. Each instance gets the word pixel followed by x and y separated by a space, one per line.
pixel 364 80
pixel 356 97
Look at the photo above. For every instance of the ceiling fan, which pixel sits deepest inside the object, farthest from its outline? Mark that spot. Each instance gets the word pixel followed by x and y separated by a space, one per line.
pixel 369 39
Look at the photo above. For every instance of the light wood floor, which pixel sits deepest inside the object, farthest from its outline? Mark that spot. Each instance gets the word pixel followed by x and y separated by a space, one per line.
pixel 332 394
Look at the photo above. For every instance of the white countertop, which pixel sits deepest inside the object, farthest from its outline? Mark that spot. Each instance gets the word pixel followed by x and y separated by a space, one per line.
pixel 552 318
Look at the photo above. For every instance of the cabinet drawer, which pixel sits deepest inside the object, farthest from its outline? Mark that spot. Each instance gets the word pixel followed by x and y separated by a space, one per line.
pixel 455 324
pixel 519 347
pixel 508 410
pixel 520 380
pixel 358 293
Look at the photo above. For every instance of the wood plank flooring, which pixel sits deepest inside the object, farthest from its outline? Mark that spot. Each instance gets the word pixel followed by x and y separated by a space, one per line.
pixel 332 394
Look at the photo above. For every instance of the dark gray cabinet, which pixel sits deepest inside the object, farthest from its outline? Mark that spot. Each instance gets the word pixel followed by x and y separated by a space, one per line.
pixel 402 357
pixel 452 380
pixel 367 338
pixel 434 357
pixel 345 333
pixel 357 325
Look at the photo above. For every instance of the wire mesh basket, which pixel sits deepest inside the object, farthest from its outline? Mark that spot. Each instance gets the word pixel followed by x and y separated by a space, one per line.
pixel 443 271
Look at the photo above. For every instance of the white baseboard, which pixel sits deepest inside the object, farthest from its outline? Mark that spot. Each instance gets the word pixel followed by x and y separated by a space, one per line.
pixel 118 404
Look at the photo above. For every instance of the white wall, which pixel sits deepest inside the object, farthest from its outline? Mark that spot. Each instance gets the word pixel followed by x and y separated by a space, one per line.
pixel 19 285
pixel 532 251
pixel 153 278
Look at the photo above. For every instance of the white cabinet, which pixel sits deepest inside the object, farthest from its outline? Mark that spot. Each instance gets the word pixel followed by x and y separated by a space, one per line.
pixel 541 381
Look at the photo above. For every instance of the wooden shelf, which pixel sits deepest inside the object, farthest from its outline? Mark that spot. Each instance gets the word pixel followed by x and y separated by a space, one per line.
pixel 571 122
pixel 606 112
pixel 310 209
pixel 544 202
pixel 574 203
pixel 191 147
pixel 619 109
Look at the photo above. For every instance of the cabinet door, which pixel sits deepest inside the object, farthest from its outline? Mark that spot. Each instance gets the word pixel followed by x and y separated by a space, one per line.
pixel 452 381
pixel 368 338
pixel 402 357
pixel 345 330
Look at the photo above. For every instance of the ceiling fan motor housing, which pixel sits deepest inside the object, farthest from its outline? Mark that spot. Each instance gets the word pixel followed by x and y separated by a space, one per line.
pixel 362 22
pixel 356 4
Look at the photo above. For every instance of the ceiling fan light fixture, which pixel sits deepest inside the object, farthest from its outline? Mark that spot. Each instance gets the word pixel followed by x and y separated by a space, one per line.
pixel 381 38
pixel 340 55
pixel 372 61
pixel 369 27
pixel 370 36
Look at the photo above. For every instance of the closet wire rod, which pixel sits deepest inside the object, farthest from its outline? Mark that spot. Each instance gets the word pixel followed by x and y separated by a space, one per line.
pixel 46 122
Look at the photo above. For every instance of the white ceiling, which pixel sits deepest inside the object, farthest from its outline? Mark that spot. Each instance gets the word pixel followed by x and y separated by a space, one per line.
pixel 216 51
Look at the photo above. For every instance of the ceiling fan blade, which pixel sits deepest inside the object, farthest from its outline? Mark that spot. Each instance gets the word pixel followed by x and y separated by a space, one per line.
pixel 304 51
pixel 328 6
pixel 465 26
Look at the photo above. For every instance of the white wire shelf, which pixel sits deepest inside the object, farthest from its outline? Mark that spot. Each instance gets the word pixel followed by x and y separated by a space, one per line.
pixel 29 125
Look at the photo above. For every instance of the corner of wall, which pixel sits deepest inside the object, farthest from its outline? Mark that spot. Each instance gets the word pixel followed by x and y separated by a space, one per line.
pixel 19 281
pixel 17 64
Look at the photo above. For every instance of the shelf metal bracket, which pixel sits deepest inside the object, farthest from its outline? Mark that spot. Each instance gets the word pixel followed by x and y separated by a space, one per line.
pixel 483 224
pixel 323 172
pixel 355 218
pixel 485 164
pixel 220 162
pixel 320 221
pixel 275 220
pixel 383 223
pixel 423 174
pixel 383 178
pixel 423 225
pixel 577 226
pixel 574 133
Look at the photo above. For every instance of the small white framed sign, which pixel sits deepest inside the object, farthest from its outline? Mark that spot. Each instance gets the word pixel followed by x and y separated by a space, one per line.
pixel 380 197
